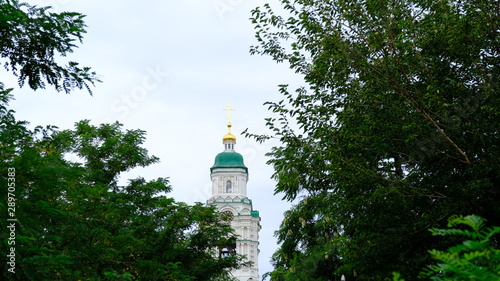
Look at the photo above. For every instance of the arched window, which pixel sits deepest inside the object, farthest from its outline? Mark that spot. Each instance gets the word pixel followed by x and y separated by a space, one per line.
pixel 224 252
pixel 227 250
pixel 229 187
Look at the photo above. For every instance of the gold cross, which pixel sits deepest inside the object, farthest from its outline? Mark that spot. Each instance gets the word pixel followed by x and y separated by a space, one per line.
pixel 229 109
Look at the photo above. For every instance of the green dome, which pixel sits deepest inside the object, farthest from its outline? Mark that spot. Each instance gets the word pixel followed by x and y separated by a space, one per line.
pixel 229 160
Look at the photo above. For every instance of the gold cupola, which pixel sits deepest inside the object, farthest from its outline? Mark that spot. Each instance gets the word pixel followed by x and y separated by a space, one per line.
pixel 228 136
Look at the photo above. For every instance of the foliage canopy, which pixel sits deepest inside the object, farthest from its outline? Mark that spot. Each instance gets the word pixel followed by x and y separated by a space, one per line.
pixel 476 258
pixel 32 38
pixel 396 130
pixel 74 222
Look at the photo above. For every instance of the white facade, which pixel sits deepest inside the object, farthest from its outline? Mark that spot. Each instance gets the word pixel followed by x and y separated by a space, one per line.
pixel 229 193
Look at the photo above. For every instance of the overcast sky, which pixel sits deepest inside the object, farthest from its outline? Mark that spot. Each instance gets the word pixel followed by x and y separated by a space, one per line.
pixel 169 68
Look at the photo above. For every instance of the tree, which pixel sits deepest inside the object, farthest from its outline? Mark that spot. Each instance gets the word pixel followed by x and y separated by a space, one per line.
pixel 396 130
pixel 74 222
pixel 474 259
pixel 32 37
pixel 70 220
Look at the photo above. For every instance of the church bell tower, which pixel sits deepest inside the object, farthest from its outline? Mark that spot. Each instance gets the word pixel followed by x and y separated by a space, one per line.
pixel 229 177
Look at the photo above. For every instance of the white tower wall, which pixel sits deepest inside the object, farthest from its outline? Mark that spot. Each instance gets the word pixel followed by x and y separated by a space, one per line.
pixel 229 193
